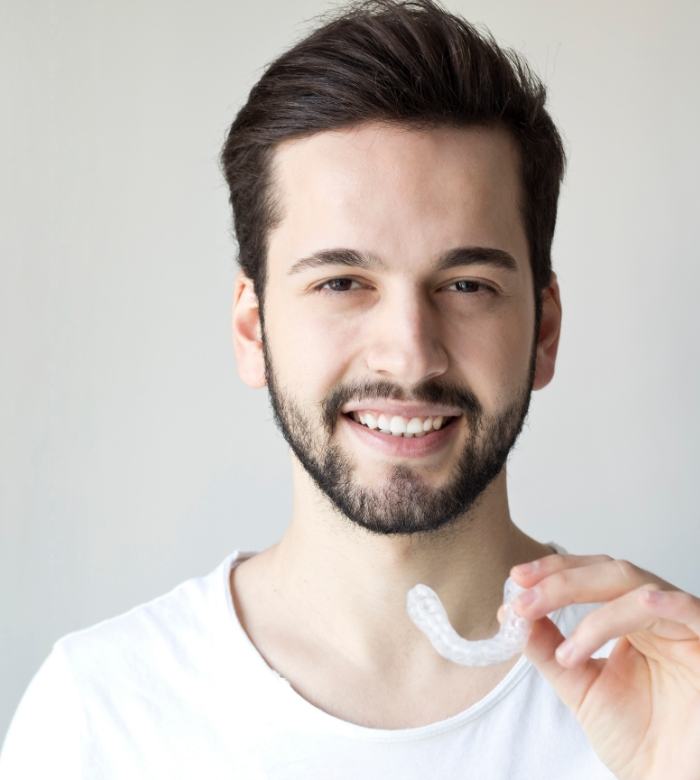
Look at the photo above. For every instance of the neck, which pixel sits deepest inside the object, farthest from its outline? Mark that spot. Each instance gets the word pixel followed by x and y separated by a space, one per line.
pixel 354 583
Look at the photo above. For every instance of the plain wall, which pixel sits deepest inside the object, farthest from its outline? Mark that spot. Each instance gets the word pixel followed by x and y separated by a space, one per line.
pixel 131 455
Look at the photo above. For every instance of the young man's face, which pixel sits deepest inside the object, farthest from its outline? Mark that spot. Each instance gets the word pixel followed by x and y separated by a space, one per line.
pixel 400 331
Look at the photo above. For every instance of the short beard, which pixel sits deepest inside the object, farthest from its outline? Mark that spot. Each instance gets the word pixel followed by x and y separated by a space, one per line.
pixel 405 504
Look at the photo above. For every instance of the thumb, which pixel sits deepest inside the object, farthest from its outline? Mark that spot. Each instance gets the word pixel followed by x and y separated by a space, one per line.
pixel 570 685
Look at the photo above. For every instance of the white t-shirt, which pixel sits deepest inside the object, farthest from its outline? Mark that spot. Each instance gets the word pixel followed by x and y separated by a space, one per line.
pixel 174 688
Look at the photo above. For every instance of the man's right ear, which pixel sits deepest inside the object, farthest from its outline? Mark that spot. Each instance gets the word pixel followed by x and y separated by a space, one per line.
pixel 247 332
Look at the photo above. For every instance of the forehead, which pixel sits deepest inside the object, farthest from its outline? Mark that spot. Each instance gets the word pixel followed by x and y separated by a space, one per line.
pixel 397 191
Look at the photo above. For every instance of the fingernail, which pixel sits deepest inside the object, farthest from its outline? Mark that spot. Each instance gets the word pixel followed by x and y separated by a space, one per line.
pixel 525 568
pixel 527 597
pixel 565 651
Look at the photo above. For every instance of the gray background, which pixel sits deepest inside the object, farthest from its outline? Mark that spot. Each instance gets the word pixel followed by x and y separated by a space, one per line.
pixel 131 455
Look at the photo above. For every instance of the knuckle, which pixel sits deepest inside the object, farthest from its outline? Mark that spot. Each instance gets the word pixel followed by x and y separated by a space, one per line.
pixel 650 585
pixel 566 577
pixel 627 570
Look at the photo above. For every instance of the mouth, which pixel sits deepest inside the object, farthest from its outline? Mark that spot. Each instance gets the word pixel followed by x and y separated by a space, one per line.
pixel 404 443
pixel 401 427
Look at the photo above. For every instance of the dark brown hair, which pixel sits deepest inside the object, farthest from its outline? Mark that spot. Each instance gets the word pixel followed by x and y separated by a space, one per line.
pixel 410 63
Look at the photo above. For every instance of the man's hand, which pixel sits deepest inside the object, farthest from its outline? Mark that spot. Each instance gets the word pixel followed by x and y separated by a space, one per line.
pixel 639 708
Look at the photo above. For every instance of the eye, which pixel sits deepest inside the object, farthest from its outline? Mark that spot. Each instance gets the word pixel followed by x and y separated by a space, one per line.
pixel 343 284
pixel 338 285
pixel 470 286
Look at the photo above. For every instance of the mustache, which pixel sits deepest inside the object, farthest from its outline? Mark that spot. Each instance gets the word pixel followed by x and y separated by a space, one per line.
pixel 429 392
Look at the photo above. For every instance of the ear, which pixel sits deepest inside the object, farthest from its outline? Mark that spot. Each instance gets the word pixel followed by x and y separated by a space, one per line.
pixel 247 333
pixel 548 336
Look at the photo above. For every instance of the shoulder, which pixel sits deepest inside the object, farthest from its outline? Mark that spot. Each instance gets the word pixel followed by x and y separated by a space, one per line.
pixel 134 667
pixel 166 626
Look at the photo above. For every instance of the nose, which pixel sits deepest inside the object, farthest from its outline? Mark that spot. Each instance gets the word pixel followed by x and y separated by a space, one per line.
pixel 405 339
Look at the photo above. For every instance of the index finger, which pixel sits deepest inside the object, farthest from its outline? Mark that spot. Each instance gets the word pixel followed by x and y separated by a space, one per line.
pixel 533 571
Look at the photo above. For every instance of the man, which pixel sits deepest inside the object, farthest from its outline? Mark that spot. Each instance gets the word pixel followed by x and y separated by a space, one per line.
pixel 394 180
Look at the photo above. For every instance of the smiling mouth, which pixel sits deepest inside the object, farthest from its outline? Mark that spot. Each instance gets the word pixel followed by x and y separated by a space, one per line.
pixel 399 427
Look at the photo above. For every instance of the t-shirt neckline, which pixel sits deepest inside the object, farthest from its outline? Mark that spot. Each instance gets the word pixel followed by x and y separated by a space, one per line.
pixel 328 722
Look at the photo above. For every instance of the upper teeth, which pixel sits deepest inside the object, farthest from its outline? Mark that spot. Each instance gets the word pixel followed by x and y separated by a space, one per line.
pixel 400 426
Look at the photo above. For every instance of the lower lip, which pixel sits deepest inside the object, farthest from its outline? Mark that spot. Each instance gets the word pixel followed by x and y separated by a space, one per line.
pixel 400 446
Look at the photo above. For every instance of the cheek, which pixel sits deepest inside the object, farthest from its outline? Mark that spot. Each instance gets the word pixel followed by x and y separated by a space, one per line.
pixel 310 350
pixel 514 368
pixel 490 353
pixel 493 361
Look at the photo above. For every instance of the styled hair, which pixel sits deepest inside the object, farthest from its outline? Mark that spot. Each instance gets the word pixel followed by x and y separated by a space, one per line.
pixel 408 62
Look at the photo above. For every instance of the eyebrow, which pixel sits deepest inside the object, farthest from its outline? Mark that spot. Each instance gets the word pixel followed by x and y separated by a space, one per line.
pixel 462 255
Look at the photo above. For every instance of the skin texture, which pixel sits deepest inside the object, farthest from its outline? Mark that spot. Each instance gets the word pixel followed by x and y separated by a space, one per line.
pixel 405 503
pixel 326 605
pixel 640 708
